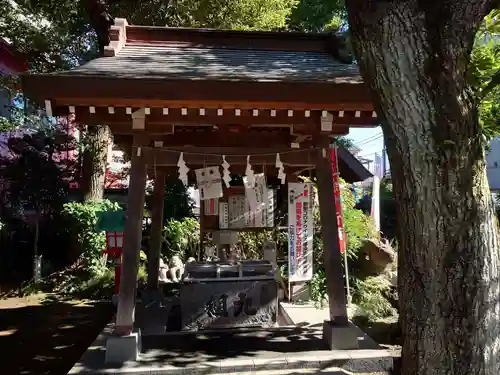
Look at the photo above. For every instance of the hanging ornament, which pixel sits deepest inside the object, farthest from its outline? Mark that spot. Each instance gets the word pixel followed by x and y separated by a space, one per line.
pixel 209 183
pixel 183 169
pixel 250 197
pixel 281 169
pixel 250 176
pixel 225 167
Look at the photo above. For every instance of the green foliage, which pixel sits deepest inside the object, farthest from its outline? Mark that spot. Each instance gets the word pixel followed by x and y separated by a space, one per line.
pixel 240 14
pixel 142 273
pixel 317 15
pixel 50 35
pixel 357 226
pixel 318 289
pixel 182 238
pixel 251 243
pixel 344 142
pixel 35 180
pixel 177 202
pixel 93 287
pixel 55 35
pixel 219 14
pixel 70 284
pixel 82 220
pixel 484 74
pixel 371 297
pixel 6 125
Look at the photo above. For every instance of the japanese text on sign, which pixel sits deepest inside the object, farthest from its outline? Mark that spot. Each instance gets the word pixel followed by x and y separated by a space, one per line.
pixel 218 307
pixel 300 231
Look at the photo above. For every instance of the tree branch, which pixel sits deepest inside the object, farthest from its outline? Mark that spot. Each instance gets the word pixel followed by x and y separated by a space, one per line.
pixel 495 81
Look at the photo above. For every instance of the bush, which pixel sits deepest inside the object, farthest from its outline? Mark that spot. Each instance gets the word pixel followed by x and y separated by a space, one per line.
pixel 97 288
pixel 357 227
pixel 251 243
pixel 73 283
pixel 182 238
pixel 371 297
pixel 82 220
pixel 318 289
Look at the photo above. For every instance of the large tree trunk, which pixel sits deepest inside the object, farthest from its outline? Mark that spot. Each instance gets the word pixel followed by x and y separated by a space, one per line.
pixel 414 59
pixel 95 157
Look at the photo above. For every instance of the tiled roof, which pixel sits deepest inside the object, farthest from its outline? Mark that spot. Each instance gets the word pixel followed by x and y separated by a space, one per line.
pixel 156 60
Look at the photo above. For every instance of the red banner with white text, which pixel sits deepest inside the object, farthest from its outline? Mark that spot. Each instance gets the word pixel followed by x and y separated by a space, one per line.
pixel 338 201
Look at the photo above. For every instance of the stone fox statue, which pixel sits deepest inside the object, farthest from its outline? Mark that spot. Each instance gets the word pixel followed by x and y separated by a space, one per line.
pixel 176 269
pixel 173 271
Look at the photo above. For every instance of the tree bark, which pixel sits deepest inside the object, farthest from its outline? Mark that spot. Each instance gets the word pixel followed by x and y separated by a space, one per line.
pixel 414 56
pixel 95 157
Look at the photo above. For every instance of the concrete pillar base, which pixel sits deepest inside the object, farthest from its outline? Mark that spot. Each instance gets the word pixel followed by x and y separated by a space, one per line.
pixel 339 337
pixel 121 349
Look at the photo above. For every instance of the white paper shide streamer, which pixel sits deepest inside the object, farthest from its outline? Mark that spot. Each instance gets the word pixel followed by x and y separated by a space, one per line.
pixel 183 169
pixel 249 174
pixel 281 169
pixel 209 183
pixel 225 171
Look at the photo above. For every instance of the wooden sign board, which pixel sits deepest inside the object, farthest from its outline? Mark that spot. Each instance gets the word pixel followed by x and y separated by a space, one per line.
pixel 233 211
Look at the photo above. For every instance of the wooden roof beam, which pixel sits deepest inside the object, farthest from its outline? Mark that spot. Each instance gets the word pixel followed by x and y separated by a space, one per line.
pixel 346 93
pixel 158 121
pixel 226 139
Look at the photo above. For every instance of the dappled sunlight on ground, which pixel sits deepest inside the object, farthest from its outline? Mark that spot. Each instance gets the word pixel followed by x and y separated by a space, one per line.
pixel 39 337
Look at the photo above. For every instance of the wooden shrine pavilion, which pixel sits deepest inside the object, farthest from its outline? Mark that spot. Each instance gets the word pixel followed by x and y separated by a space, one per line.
pixel 209 93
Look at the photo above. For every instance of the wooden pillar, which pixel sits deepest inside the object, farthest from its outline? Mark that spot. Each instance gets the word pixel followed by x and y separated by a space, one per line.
pixel 156 230
pixel 131 243
pixel 332 256
pixel 202 231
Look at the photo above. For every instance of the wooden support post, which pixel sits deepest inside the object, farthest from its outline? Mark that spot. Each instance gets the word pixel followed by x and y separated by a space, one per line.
pixel 332 256
pixel 156 230
pixel 131 243
pixel 202 231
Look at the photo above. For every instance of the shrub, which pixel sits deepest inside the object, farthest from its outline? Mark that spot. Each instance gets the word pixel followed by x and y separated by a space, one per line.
pixel 357 226
pixel 251 243
pixel 318 289
pixel 182 238
pixel 82 220
pixel 371 297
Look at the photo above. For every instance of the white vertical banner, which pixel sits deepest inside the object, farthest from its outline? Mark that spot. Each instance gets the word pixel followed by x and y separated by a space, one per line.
pixel 300 231
pixel 256 202
pixel 270 209
pixel 223 215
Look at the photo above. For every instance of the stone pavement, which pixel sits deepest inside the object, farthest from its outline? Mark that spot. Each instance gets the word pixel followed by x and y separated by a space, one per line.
pixel 330 371
pixel 286 349
pixel 293 350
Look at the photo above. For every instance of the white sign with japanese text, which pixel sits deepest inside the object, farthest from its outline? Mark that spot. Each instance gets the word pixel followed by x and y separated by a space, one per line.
pixel 300 231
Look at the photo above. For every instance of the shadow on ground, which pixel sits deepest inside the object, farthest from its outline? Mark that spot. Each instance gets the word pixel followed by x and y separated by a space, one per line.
pixel 383 332
pixel 47 338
